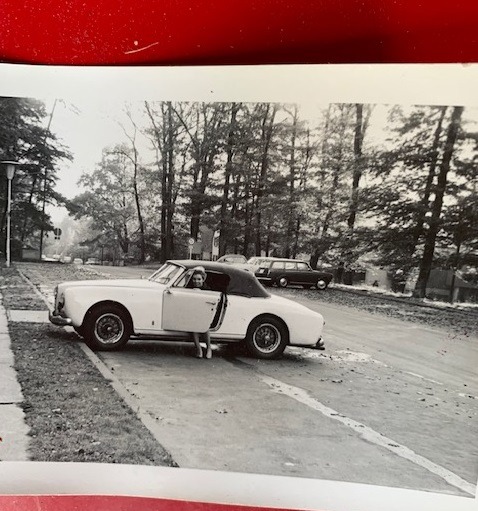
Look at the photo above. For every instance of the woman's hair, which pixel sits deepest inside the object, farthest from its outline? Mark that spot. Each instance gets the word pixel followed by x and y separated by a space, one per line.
pixel 200 271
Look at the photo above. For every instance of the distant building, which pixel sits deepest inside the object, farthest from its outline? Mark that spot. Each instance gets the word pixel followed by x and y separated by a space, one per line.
pixel 203 247
pixel 440 283
pixel 30 253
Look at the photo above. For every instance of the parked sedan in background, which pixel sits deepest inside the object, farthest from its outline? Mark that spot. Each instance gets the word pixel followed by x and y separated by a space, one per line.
pixel 235 308
pixel 238 260
pixel 283 272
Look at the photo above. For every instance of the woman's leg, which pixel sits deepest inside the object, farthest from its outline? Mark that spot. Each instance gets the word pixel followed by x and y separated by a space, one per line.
pixel 207 338
pixel 198 346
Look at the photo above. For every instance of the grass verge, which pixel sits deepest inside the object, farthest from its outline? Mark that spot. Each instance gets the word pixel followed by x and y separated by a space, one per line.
pixel 18 294
pixel 73 412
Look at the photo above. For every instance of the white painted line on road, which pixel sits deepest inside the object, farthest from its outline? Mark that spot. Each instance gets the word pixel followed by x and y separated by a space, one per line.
pixel 423 377
pixel 369 434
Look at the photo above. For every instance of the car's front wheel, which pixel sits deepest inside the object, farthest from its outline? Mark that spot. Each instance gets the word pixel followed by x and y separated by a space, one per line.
pixel 321 284
pixel 107 328
pixel 267 337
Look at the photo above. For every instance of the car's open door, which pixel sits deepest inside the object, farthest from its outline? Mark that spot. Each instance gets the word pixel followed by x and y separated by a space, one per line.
pixel 189 310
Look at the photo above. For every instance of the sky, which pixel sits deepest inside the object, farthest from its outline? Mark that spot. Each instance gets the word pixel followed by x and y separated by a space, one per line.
pixel 85 128
pixel 88 126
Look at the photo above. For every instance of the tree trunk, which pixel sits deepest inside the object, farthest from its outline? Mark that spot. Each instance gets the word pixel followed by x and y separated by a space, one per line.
pixel 292 176
pixel 454 268
pixel 169 185
pixel 164 141
pixel 429 249
pixel 357 169
pixel 42 225
pixel 30 200
pixel 248 219
pixel 266 136
pixel 164 183
pixel 424 203
pixel 227 178
pixel 142 245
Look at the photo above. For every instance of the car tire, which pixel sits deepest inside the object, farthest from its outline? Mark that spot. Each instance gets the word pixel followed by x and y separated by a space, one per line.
pixel 282 282
pixel 266 338
pixel 321 284
pixel 107 328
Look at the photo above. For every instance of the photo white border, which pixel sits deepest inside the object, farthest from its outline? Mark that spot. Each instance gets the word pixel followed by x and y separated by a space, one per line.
pixel 436 84
pixel 63 478
pixel 450 84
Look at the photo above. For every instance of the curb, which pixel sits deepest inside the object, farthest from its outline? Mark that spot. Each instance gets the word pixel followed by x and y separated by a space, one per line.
pixel 14 431
pixel 134 404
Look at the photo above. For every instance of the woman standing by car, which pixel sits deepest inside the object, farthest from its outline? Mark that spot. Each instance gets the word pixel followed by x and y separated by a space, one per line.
pixel 198 281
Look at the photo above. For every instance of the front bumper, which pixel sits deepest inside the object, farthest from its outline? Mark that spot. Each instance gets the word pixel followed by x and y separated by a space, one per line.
pixel 56 319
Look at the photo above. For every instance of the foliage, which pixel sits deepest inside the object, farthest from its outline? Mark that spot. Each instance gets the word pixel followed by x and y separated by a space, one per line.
pixel 354 182
pixel 25 140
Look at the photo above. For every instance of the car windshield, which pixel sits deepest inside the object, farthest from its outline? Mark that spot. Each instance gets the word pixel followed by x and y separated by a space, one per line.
pixel 166 273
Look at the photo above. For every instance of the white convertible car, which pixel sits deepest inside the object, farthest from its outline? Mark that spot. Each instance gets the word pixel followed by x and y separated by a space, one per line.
pixel 237 308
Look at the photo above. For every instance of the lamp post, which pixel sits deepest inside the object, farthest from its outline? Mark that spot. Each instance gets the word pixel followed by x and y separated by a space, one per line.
pixel 10 167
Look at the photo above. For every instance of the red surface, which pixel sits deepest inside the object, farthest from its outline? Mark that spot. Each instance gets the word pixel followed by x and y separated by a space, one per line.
pixel 104 503
pixel 248 31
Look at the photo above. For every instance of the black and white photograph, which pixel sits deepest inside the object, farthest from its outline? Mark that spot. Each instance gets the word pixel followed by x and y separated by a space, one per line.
pixel 273 287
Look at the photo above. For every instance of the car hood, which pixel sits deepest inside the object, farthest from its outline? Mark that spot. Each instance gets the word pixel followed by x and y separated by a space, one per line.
pixel 123 283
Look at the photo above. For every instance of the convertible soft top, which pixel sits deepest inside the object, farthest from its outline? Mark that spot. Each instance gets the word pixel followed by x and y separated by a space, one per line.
pixel 241 281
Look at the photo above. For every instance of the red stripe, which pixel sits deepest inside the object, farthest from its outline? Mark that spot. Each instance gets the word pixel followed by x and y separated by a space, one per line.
pixel 109 503
pixel 249 31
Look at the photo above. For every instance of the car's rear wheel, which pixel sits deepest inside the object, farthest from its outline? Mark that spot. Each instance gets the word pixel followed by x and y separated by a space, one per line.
pixel 282 282
pixel 321 284
pixel 107 328
pixel 267 337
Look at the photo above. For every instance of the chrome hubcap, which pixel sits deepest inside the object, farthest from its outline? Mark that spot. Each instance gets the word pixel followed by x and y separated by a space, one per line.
pixel 109 328
pixel 266 338
pixel 283 282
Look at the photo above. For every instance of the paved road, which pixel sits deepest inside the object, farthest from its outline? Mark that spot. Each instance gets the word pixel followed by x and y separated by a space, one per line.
pixel 389 403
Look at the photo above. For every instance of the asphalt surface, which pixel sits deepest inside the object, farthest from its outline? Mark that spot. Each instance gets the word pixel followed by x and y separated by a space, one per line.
pixel 389 402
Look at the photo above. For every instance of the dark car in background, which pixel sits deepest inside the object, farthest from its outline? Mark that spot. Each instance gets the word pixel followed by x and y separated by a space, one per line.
pixel 283 272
